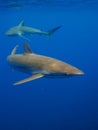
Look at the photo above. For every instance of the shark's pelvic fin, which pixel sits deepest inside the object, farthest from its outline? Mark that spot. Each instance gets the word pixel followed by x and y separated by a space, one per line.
pixel 14 50
pixel 36 76
pixel 21 23
pixel 27 48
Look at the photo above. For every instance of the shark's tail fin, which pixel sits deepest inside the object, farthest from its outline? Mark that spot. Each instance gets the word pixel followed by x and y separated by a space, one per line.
pixel 50 32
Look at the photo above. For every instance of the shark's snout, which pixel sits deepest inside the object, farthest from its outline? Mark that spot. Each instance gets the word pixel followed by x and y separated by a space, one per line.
pixel 71 70
pixel 77 72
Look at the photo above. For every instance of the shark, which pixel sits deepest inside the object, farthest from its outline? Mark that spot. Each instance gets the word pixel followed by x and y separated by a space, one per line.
pixel 21 30
pixel 38 66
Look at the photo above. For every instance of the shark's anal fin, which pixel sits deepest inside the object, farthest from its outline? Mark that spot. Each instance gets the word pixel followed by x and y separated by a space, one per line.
pixel 36 76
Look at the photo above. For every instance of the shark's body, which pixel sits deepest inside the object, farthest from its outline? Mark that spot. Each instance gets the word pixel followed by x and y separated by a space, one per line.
pixel 21 30
pixel 40 66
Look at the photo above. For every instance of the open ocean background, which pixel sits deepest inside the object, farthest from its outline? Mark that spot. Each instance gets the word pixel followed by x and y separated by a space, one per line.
pixel 51 104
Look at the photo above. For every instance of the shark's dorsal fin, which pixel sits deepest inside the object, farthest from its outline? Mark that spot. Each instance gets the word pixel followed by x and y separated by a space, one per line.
pixel 27 49
pixel 21 23
pixel 14 50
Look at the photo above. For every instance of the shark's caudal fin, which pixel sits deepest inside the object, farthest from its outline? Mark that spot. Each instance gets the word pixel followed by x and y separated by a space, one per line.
pixel 50 32
pixel 36 76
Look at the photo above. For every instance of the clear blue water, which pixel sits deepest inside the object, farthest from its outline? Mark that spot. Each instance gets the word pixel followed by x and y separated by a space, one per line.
pixel 51 104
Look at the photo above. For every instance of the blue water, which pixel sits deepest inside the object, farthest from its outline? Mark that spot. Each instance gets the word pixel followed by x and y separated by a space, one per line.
pixel 51 104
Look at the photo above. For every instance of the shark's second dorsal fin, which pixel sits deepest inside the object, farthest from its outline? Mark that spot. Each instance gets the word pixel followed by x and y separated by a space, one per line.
pixel 27 49
pixel 21 23
pixel 14 50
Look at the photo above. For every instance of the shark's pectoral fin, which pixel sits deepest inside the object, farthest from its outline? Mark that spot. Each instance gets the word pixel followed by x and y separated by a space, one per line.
pixel 33 77
pixel 14 50
pixel 24 37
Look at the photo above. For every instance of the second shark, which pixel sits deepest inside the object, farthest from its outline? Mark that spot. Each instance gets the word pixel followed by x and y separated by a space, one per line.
pixel 21 30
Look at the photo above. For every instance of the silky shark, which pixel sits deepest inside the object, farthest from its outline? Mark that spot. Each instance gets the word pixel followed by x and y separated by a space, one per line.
pixel 21 30
pixel 38 66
